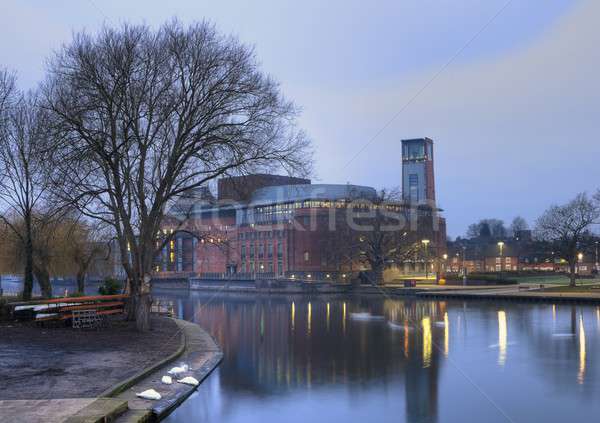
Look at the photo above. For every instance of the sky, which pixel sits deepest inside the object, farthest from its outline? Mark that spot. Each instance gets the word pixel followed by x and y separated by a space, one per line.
pixel 508 90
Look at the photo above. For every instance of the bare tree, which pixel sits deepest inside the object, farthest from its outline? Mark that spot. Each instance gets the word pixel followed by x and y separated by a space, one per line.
pixel 487 228
pixel 23 180
pixel 518 224
pixel 566 226
pixel 143 116
pixel 379 233
pixel 7 93
pixel 85 244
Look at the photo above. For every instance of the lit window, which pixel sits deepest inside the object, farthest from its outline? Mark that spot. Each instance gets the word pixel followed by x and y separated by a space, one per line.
pixel 306 256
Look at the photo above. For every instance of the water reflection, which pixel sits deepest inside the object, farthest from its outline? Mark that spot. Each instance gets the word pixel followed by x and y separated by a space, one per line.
pixel 303 359
pixel 426 342
pixel 446 334
pixel 502 337
pixel 581 375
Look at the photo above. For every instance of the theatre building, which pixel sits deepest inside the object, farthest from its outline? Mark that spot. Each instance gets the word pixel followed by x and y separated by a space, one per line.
pixel 281 230
pixel 271 225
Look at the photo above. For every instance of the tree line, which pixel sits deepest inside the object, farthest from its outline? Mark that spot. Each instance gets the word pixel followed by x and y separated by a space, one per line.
pixel 567 228
pixel 127 120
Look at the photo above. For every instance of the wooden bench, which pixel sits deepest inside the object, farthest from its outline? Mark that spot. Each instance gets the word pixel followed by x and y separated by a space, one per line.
pixel 62 309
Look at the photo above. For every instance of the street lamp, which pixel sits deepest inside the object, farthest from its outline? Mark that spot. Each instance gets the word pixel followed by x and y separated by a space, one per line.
pixel 425 243
pixel 597 267
pixel 464 269
pixel 501 247
pixel 444 267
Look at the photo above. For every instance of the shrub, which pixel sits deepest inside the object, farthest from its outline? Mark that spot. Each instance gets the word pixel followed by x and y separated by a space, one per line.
pixel 110 286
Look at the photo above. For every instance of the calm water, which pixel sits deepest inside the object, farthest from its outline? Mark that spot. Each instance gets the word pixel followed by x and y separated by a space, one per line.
pixel 13 286
pixel 309 360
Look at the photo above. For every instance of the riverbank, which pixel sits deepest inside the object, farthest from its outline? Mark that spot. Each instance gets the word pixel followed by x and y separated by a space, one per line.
pixel 583 293
pixel 520 293
pixel 59 374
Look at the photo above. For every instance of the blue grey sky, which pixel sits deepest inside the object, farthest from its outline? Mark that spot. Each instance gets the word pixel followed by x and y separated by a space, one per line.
pixel 514 115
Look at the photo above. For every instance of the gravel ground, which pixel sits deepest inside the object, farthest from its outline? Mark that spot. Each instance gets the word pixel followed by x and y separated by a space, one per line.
pixel 49 363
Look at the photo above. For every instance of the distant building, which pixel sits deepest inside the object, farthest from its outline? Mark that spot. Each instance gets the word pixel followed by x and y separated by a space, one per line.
pixel 418 180
pixel 520 253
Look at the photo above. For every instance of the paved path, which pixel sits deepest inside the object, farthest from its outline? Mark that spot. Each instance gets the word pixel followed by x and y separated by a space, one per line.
pixel 39 411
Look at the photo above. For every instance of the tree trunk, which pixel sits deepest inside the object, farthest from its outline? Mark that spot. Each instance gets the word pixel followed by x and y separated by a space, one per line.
pixel 377 269
pixel 142 312
pixel 81 283
pixel 572 275
pixel 28 272
pixel 143 305
pixel 43 280
pixel 140 303
pixel 131 304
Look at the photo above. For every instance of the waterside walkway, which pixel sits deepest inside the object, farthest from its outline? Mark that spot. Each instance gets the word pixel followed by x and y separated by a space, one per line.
pixel 82 384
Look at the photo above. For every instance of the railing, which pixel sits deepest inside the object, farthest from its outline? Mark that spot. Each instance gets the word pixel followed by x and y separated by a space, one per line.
pixel 8 292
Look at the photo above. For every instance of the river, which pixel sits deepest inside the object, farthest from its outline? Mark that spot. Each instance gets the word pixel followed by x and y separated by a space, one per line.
pixel 302 359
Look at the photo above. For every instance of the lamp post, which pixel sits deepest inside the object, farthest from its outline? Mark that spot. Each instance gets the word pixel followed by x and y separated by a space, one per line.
pixel 425 243
pixel 597 267
pixel 501 247
pixel 579 260
pixel 464 268
pixel 444 267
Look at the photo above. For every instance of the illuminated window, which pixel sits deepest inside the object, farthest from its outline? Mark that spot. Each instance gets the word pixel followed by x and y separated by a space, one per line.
pixel 306 256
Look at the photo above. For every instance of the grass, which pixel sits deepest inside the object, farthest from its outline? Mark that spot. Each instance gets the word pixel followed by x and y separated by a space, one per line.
pixel 553 280
pixel 587 288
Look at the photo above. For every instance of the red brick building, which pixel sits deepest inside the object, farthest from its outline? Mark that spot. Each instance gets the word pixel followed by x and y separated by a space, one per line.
pixel 277 229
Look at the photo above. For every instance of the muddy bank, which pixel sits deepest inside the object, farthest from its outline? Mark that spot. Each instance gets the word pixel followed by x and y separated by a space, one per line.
pixel 47 363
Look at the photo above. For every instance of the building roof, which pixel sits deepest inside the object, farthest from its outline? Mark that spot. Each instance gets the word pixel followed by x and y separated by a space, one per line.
pixel 291 193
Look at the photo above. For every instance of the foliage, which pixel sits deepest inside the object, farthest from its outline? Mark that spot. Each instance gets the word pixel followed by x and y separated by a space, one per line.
pixel 110 286
pixel 24 186
pixel 487 228
pixel 518 224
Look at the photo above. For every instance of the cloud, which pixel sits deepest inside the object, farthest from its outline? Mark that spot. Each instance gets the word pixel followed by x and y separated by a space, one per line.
pixel 513 134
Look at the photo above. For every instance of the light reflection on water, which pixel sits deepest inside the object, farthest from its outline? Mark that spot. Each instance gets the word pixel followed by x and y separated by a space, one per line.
pixel 502 337
pixel 303 359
